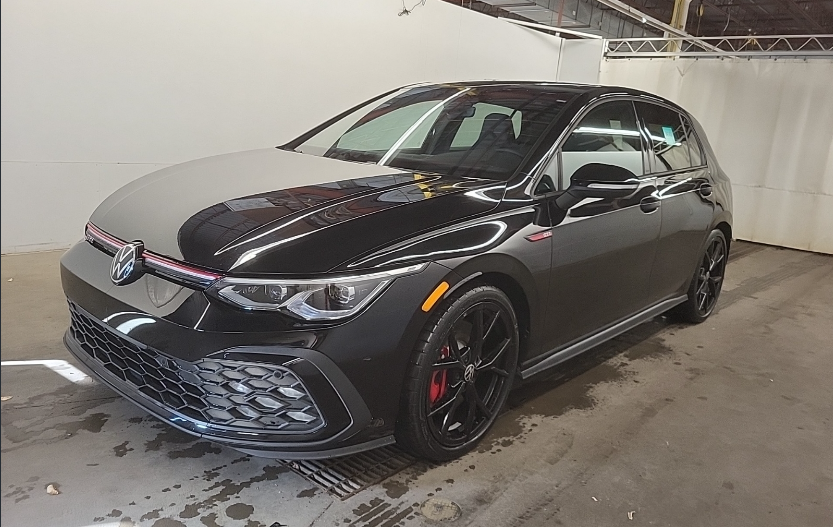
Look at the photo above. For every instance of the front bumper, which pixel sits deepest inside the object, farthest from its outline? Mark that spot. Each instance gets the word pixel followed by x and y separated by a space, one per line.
pixel 295 393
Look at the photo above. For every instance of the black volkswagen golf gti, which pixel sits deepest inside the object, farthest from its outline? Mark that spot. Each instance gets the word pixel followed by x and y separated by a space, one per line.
pixel 387 276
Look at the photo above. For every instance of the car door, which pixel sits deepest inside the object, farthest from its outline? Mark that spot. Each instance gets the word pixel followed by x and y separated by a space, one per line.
pixel 676 159
pixel 603 249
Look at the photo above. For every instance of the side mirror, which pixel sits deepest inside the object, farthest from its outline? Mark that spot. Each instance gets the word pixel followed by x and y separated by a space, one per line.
pixel 598 180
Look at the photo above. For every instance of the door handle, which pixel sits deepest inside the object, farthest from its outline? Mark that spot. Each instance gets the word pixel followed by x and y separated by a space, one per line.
pixel 649 204
pixel 705 190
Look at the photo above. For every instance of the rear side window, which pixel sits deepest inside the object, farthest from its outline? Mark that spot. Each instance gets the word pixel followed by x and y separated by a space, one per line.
pixel 607 134
pixel 667 136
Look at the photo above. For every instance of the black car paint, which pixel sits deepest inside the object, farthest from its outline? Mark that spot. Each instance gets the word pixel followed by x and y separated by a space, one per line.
pixel 588 278
pixel 325 213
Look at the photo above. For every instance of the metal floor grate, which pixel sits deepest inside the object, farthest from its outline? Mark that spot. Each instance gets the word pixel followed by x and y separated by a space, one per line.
pixel 345 476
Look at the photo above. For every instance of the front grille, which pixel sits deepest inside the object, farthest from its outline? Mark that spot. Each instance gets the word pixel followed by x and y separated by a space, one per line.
pixel 242 395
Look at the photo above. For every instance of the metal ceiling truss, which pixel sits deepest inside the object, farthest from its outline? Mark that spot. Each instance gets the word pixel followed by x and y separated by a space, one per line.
pixel 594 18
pixel 643 18
pixel 750 46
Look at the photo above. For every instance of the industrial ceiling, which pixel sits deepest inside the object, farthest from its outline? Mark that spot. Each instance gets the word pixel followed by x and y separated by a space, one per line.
pixel 705 17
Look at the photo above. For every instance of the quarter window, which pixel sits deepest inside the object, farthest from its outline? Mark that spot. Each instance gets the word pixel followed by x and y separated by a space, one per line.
pixel 607 134
pixel 667 138
pixel 693 144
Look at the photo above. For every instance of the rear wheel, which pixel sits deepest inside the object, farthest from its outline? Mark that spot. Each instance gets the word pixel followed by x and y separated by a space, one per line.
pixel 707 281
pixel 460 374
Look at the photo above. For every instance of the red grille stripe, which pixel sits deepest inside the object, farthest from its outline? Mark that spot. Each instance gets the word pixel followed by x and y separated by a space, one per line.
pixel 161 261
pixel 153 260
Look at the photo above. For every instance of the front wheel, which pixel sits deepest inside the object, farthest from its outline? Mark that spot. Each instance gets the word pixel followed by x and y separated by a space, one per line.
pixel 460 374
pixel 707 281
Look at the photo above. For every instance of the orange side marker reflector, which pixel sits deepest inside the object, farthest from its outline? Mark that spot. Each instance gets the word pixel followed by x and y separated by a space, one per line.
pixel 434 296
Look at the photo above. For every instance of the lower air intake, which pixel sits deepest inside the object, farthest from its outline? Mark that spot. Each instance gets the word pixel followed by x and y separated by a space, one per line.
pixel 232 394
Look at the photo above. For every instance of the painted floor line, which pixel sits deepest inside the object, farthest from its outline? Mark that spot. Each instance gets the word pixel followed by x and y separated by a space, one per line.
pixel 61 367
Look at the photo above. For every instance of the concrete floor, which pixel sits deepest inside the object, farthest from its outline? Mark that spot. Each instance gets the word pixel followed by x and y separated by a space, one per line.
pixel 728 423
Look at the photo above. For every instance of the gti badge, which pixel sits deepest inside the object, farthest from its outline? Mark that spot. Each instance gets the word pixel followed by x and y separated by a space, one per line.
pixel 127 264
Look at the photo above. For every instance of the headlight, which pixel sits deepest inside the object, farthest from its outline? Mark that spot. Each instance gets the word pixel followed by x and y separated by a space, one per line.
pixel 325 299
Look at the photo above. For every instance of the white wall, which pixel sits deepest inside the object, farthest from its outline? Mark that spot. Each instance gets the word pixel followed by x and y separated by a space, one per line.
pixel 96 93
pixel 771 125
pixel 580 60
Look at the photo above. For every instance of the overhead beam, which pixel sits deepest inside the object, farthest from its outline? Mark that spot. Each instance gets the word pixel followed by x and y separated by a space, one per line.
pixel 659 15
pixel 636 14
pixel 795 8
pixel 554 29
pixel 680 15
pixel 643 17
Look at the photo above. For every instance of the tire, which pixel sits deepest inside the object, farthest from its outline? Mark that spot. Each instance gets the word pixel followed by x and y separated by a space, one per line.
pixel 707 281
pixel 447 380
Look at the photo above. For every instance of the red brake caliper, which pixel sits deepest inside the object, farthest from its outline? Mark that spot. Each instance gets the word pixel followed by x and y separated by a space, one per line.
pixel 438 386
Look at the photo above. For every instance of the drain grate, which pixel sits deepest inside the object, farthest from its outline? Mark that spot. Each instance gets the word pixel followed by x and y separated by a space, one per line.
pixel 345 476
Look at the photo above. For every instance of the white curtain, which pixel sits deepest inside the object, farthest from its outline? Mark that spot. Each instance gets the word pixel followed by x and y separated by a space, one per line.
pixel 770 123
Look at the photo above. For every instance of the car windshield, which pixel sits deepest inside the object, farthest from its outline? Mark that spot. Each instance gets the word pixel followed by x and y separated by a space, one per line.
pixel 466 131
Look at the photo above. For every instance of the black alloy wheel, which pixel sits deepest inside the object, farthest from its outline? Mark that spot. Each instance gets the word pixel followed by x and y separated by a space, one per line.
pixel 707 282
pixel 710 276
pixel 461 373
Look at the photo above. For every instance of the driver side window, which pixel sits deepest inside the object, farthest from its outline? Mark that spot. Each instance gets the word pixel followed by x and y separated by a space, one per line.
pixel 607 134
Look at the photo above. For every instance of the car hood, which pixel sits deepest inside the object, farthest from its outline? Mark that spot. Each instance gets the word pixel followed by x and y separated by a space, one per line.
pixel 275 211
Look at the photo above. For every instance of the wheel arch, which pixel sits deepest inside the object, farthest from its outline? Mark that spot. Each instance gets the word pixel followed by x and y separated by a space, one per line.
pixel 512 277
pixel 726 229
pixel 520 303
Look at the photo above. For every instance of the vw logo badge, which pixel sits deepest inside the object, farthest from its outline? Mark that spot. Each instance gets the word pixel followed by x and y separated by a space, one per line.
pixel 468 374
pixel 127 265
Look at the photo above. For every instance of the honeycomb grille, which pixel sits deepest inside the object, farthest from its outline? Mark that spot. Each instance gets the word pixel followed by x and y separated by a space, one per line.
pixel 241 395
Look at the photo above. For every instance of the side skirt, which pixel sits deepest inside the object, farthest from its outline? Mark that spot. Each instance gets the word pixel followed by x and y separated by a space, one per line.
pixel 557 356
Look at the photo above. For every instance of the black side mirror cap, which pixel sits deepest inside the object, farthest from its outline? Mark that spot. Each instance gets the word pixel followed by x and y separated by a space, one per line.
pixel 598 180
